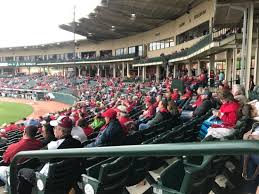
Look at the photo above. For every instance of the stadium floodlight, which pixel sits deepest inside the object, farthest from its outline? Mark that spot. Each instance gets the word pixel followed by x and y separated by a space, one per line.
pixel 113 28
pixel 132 16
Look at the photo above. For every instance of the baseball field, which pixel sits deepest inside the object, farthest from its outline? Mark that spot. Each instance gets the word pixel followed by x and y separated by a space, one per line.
pixel 12 111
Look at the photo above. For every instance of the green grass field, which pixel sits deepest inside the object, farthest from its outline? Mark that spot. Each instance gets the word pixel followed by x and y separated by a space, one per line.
pixel 12 112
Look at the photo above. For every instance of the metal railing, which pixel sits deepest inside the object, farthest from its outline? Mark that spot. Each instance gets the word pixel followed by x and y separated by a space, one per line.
pixel 38 62
pixel 176 149
pixel 199 45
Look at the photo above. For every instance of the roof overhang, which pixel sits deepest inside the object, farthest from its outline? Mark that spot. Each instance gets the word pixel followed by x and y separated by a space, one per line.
pixel 114 18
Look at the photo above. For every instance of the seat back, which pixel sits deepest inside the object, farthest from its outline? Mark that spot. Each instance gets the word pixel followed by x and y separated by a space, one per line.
pixel 172 176
pixel 62 176
pixel 113 175
pixel 197 174
pixel 138 171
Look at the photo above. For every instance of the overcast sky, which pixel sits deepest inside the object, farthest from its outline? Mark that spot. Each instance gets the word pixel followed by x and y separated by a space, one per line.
pixel 31 22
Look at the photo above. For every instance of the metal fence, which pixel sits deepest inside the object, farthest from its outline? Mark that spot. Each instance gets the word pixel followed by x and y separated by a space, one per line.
pixel 176 149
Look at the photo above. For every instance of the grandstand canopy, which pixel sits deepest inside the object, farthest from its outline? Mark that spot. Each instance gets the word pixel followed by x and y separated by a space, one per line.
pixel 229 13
pixel 115 19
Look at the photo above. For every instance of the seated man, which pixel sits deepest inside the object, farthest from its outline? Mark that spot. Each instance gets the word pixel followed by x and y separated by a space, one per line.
pixel 205 105
pixel 28 142
pixel 62 131
pixel 112 132
pixel 122 115
pixel 162 115
pixel 149 112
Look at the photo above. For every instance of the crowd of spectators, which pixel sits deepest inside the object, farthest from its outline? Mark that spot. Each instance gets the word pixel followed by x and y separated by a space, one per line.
pixel 105 106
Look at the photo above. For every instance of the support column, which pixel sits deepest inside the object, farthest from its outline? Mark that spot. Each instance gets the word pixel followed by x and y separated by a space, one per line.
pixel 199 68
pixel 175 70
pixel 63 71
pixel 128 70
pixel 122 71
pixel 244 49
pixel 229 61
pixel 2 71
pixel 144 73
pixel 114 71
pixel 234 67
pixel 212 63
pixel 167 70
pixel 189 69
pixel 138 71
pixel 105 72
pixel 98 70
pixel 89 71
pixel 256 70
pixel 249 45
pixel 29 69
pixel 79 71
pixel 157 73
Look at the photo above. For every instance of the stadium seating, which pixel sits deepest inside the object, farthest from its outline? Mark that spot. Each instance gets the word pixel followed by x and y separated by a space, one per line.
pixel 107 177
pixel 190 176
pixel 62 176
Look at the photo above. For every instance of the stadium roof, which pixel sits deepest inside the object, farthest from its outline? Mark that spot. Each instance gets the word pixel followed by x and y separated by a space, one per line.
pixel 229 13
pixel 115 19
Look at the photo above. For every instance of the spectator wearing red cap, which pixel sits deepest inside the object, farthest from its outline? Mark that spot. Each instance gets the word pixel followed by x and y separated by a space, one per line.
pixel 112 134
pixel 149 112
pixel 62 131
pixel 162 115
pixel 122 115
pixel 175 95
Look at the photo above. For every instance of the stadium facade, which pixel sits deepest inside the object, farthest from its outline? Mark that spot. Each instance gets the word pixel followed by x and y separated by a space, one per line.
pixel 125 40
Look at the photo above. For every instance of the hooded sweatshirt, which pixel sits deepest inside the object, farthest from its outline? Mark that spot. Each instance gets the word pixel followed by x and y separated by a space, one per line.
pixel 229 112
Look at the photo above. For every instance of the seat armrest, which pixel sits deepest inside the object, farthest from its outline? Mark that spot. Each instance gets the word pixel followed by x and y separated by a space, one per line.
pixel 93 171
pixel 90 184
pixel 40 182
pixel 159 189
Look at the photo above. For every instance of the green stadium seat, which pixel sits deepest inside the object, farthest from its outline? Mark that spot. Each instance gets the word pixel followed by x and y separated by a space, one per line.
pixel 107 177
pixel 189 176
pixel 62 176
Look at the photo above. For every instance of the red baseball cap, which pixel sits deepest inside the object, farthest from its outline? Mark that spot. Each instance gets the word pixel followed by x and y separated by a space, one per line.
pixel 62 121
pixel 110 113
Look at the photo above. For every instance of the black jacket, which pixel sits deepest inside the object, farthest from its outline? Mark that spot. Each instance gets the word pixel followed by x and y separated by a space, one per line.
pixel 201 110
pixel 69 142
pixel 113 134
pixel 159 117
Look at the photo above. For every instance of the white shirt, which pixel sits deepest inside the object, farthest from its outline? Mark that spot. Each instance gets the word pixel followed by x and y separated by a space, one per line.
pixel 53 145
pixel 79 134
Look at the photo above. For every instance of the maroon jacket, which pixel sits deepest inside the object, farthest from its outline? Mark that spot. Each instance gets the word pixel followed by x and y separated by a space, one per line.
pixel 22 145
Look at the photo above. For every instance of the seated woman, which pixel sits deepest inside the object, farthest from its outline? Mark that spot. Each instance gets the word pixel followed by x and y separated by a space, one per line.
pixel 98 122
pixel 185 97
pixel 197 102
pixel 228 114
pixel 47 132
pixel 162 115
pixel 149 112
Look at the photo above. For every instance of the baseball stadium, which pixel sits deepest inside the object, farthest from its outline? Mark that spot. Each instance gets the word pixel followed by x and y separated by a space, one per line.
pixel 159 97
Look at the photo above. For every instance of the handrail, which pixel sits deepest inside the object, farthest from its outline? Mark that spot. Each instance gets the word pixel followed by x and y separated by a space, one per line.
pixel 176 149
pixel 35 62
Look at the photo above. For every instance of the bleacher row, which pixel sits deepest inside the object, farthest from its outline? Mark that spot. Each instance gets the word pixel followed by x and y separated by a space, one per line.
pixel 113 175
